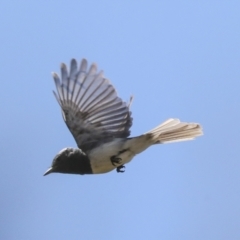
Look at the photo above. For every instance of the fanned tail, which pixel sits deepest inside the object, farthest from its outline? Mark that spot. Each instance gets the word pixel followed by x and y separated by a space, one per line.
pixel 172 130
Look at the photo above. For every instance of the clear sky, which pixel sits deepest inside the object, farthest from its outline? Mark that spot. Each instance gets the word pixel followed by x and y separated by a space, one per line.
pixel 179 59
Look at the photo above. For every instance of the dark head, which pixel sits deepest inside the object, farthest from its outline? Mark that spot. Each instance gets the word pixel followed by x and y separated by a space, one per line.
pixel 70 160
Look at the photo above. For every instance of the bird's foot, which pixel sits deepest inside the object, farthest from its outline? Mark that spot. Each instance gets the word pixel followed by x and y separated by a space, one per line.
pixel 119 169
pixel 115 160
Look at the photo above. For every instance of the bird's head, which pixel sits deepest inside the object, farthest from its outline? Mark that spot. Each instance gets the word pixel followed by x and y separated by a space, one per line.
pixel 67 161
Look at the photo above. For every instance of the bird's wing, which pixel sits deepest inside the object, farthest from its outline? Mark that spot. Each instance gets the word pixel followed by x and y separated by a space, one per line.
pixel 90 106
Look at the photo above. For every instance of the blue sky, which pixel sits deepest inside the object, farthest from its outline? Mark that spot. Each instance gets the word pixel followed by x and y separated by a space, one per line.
pixel 179 59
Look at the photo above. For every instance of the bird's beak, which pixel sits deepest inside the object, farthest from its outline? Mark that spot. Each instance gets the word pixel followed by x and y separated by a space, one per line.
pixel 50 170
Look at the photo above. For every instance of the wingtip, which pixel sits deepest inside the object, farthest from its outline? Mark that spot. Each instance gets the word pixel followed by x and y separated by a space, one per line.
pixel 54 75
pixel 73 60
pixel 130 101
pixel 56 79
pixel 63 65
pixel 83 65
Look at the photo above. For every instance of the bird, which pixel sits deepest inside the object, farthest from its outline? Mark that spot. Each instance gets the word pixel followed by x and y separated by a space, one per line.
pixel 100 123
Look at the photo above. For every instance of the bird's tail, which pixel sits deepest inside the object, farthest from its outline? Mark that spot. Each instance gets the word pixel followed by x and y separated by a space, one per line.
pixel 172 130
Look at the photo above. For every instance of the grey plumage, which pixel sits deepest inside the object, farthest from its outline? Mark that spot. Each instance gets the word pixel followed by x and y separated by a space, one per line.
pixel 90 106
pixel 100 123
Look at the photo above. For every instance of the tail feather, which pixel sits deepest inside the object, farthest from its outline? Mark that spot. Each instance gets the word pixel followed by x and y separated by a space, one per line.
pixel 173 130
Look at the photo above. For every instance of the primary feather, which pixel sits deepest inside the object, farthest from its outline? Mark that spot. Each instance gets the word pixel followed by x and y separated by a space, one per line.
pixel 90 106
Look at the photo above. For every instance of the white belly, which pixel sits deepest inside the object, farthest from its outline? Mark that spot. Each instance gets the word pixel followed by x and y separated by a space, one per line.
pixel 100 157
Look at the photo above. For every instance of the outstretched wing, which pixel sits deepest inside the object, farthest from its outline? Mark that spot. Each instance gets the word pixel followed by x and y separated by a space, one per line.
pixel 90 106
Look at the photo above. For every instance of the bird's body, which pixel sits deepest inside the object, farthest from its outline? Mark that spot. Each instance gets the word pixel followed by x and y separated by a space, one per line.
pixel 100 121
pixel 124 149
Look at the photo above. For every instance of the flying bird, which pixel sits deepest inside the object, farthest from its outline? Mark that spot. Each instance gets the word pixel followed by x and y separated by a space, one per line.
pixel 100 123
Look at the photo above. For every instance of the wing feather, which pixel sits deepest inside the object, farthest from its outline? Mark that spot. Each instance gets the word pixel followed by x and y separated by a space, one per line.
pixel 91 108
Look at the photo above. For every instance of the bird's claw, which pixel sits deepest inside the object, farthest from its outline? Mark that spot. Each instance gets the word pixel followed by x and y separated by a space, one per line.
pixel 119 169
pixel 115 160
